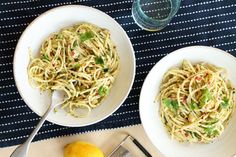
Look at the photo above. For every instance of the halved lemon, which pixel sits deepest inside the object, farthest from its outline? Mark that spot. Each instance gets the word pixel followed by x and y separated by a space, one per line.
pixel 82 149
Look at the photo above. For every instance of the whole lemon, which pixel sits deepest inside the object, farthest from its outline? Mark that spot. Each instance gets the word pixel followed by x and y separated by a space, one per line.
pixel 82 149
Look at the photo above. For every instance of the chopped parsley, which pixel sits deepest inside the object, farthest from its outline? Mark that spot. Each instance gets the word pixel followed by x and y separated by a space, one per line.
pixel 103 91
pixel 45 57
pixel 76 66
pixel 75 44
pixel 215 133
pixel 167 102
pixel 171 104
pixel 225 102
pixel 206 96
pixel 193 106
pixel 213 121
pixel 211 131
pixel 86 36
pixel 99 60
pixel 175 105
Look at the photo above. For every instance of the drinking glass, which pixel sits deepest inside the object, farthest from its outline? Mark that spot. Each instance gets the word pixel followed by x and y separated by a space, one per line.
pixel 154 15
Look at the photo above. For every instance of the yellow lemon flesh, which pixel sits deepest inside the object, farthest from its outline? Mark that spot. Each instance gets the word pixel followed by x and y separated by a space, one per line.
pixel 82 149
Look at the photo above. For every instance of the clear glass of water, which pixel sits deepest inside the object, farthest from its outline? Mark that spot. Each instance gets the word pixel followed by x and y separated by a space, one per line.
pixel 154 15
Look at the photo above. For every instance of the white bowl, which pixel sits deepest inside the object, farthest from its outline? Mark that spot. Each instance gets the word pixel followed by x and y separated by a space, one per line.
pixel 52 21
pixel 225 146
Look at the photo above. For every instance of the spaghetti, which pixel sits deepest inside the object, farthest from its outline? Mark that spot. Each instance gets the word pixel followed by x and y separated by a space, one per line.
pixel 196 102
pixel 81 60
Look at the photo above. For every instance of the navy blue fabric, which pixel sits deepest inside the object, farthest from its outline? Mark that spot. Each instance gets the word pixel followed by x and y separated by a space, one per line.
pixel 198 22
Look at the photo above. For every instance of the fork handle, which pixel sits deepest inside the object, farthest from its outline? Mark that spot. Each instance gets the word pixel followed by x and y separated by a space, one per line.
pixel 39 125
pixel 22 150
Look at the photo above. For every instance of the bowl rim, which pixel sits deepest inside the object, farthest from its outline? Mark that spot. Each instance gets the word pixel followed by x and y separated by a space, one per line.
pixel 78 7
pixel 180 50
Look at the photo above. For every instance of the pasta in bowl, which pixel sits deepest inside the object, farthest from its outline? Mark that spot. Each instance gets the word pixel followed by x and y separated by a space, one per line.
pixel 198 120
pixel 80 60
pixel 196 102
pixel 89 57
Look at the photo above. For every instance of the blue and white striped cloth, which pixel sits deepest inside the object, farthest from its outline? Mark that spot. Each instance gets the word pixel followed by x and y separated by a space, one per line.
pixel 198 22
